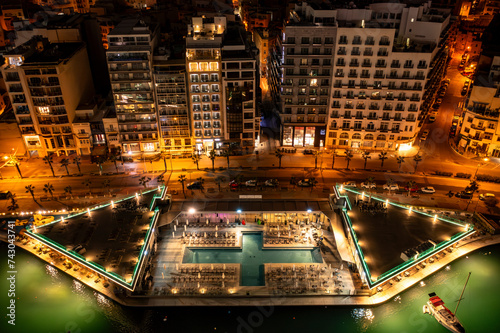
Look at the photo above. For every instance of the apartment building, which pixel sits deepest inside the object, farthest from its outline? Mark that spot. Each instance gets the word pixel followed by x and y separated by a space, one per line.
pixel 130 64
pixel 171 100
pixel 46 83
pixel 203 63
pixel 355 78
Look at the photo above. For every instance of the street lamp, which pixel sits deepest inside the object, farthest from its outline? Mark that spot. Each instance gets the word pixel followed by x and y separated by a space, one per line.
pixel 479 165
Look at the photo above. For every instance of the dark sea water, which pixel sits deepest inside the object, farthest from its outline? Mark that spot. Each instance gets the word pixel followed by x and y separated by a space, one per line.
pixel 50 301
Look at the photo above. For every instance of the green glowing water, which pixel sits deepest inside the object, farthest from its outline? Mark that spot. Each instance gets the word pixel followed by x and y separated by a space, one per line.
pixel 50 301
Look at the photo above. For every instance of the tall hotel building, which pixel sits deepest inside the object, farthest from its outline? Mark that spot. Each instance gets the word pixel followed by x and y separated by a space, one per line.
pixel 355 78
pixel 130 57
pixel 46 84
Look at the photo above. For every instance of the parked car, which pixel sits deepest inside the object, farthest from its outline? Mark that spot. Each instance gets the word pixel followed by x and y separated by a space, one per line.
pixel 428 189
pixel 195 186
pixel 464 91
pixel 308 152
pixel 251 183
pixel 442 94
pixel 432 117
pixel 446 81
pixel 271 183
pixel 391 187
pixel 305 182
pixel 350 183
pixel 484 196
pixel 233 185
pixel 414 188
pixel 368 185
pixel 464 194
pixel 424 135
pixel 466 83
pixel 435 106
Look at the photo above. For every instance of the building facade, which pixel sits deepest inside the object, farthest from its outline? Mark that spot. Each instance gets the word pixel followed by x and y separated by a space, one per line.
pixel 46 83
pixel 130 64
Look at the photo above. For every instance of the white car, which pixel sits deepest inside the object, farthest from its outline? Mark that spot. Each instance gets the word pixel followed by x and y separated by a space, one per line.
pixel 485 196
pixel 271 183
pixel 350 184
pixel 424 135
pixel 428 189
pixel 392 187
pixel 368 185
pixel 251 183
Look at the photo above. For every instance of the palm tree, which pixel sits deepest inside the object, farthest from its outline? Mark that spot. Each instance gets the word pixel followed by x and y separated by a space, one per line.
pixel 473 187
pixel 382 157
pixel 334 154
pixel 49 188
pixel 107 185
pixel 400 160
pixel 370 180
pixel 279 154
pixel 69 191
pixel 196 159
pixel 144 180
pixel 31 190
pixel 182 179
pixel 390 182
pixel 293 181
pixel 163 155
pixel 417 158
pixel 219 180
pixel 410 184
pixel 13 203
pixel 316 153
pixel 65 163
pixel 87 183
pixel 212 156
pixel 201 180
pixel 348 157
pixel 77 160
pixel 114 158
pixel 313 182
pixel 48 160
pixel 366 156
pixel 160 179
pixel 226 153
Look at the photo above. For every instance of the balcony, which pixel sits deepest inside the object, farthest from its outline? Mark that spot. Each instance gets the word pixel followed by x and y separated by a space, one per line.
pixel 408 66
pixel 422 66
pixel 368 53
pixel 367 64
pixel 355 53
pixel 380 65
pixel 384 42
pixel 382 54
pixel 340 63
pixel 341 52
pixel 395 65
pixel 354 64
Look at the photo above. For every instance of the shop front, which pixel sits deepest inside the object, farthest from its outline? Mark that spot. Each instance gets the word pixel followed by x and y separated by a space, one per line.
pixel 302 136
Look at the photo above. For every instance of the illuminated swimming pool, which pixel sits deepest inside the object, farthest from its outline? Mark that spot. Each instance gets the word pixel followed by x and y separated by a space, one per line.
pixel 251 257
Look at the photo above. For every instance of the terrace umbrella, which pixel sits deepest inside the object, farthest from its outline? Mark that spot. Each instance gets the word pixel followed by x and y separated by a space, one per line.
pixel 224 266
pixel 223 275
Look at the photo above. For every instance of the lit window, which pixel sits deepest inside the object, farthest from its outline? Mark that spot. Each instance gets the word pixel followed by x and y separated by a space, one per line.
pixel 43 109
pixel 314 82
pixel 193 66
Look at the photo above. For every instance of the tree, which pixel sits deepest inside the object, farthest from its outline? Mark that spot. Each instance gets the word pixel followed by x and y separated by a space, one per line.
pixel 382 157
pixel 196 159
pixel 219 180
pixel 69 191
pixel 107 185
pixel 279 154
pixel 48 160
pixel 313 182
pixel 144 180
pixel 163 155
pixel 334 154
pixel 87 183
pixel 160 179
pixel 293 181
pixel 201 180
pixel 100 161
pixel 472 187
pixel 366 156
pixel 31 190
pixel 417 158
pixel 410 184
pixel 348 157
pixel 65 163
pixel 390 182
pixel 77 160
pixel 114 158
pixel 212 156
pixel 49 188
pixel 227 153
pixel 182 179
pixel 15 161
pixel 316 154
pixel 400 160
pixel 13 203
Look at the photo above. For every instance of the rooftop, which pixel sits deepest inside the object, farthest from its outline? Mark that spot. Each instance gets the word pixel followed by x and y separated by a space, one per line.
pixel 131 27
pixel 51 53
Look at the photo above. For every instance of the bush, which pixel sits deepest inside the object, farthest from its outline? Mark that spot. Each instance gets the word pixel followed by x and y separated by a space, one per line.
pixel 488 178
pixel 463 175
pixel 442 173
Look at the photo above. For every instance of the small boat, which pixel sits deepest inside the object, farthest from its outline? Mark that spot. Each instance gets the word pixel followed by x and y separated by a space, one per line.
pixel 435 307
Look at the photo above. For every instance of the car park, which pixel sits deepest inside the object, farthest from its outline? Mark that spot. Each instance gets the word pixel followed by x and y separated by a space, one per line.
pixel 486 196
pixel 391 187
pixel 350 183
pixel 424 135
pixel 251 183
pixel 428 189
pixel 464 194
pixel 271 183
pixel 195 186
pixel 305 183
pixel 368 185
